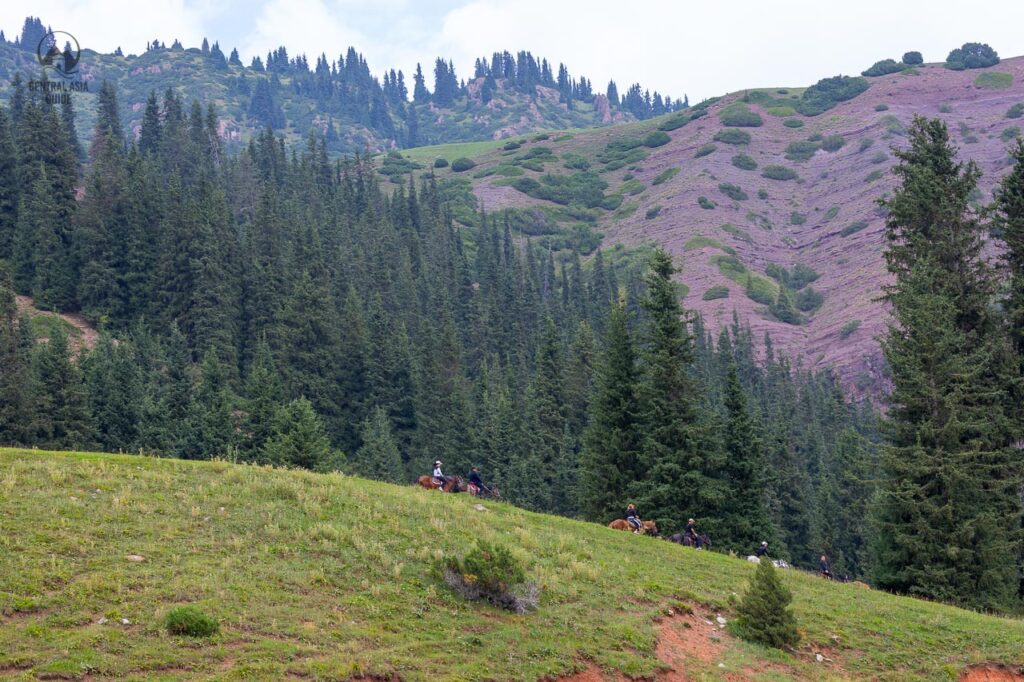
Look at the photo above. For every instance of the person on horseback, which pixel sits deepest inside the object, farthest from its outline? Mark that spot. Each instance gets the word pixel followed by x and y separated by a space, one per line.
pixel 824 567
pixel 633 517
pixel 691 532
pixel 476 480
pixel 762 550
pixel 438 476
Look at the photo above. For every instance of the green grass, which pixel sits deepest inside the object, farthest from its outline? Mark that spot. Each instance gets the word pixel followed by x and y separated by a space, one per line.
pixel 44 326
pixel 426 155
pixel 330 577
pixel 994 80
pixel 665 175
pixel 736 232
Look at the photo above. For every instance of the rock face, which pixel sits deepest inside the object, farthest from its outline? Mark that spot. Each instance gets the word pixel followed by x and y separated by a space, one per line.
pixel 826 218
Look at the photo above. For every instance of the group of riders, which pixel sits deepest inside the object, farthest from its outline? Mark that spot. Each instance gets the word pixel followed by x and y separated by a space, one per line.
pixel 691 536
pixel 476 482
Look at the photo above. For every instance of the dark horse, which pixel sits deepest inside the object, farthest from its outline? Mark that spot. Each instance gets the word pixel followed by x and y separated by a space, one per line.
pixel 685 539
pixel 454 484
pixel 489 493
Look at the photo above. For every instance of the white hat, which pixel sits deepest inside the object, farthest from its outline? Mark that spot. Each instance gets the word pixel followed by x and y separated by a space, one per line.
pixel 437 463
pixel 764 543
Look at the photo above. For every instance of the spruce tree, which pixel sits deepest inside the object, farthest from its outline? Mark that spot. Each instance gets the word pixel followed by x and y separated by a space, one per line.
pixel 948 517
pixel 8 187
pixel 60 412
pixel 115 395
pixel 300 440
pixel 610 458
pixel 1010 221
pixel 16 395
pixel 378 457
pixel 763 615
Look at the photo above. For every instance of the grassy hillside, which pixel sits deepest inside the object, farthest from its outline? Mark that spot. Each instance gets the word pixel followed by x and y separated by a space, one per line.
pixel 329 577
pixel 763 178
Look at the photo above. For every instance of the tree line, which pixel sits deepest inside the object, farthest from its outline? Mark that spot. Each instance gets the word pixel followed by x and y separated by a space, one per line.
pixel 272 306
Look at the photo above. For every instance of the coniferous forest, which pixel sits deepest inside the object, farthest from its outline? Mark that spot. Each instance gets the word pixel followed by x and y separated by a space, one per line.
pixel 273 306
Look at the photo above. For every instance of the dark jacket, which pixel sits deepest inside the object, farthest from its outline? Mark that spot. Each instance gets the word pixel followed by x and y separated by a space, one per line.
pixel 761 551
pixel 632 514
pixel 474 478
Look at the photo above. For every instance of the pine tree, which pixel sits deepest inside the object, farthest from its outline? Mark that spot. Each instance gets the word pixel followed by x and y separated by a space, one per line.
pixel 378 457
pixel 264 397
pixel 1010 221
pixel 16 396
pixel 948 518
pixel 545 405
pixel 610 458
pixel 743 519
pixel 212 413
pixel 300 440
pixel 8 187
pixel 763 615
pixel 61 413
pixel 115 395
pixel 674 476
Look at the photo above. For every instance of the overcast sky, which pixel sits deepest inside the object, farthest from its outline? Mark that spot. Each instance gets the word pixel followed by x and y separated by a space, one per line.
pixel 674 46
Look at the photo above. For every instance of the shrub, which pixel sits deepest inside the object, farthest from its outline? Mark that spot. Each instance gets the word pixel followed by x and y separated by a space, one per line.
pixel 883 68
pixel 833 143
pixel 734 192
pixel 849 328
pixel 735 232
pixel 744 162
pixel 675 121
pixel 759 290
pixel 763 616
pixel 1009 133
pixel 706 203
pixel 912 58
pixel 462 164
pixel 541 137
pixel 816 137
pixel 705 150
pixel 611 202
pixel 652 212
pixel 945 108
pixel 716 292
pixel 971 56
pixel 780 111
pixel 829 92
pixel 797 218
pixel 191 622
pixel 801 150
pixel 1016 111
pixel 440 163
pixel 831 213
pixel 994 80
pixel 879 157
pixel 809 300
pixel 762 194
pixel 511 145
pixel 853 228
pixel 778 173
pixel 574 161
pixel 872 176
pixel 739 116
pixel 656 139
pixel 665 175
pixel 881 107
pixel 732 136
pixel 802 275
pixel 793 123
pixel 491 573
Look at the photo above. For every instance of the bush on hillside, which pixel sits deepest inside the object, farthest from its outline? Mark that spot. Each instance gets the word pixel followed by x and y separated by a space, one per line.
pixel 665 175
pixel 652 212
pixel 744 162
pixel 440 163
pixel 740 116
pixel 829 92
pixel 574 161
pixel 994 80
pixel 832 143
pixel 971 56
pixel 491 573
pixel 809 300
pixel 762 194
pixel 849 328
pixel 778 173
pixel 734 192
pixel 706 203
pixel 511 145
pixel 764 616
pixel 675 121
pixel 732 136
pixel 191 622
pixel 1016 111
pixel 801 150
pixel 853 228
pixel 881 107
pixel 462 164
pixel 793 123
pixel 797 218
pixel 656 139
pixel 716 292
pixel 912 58
pixel 704 150
pixel 883 68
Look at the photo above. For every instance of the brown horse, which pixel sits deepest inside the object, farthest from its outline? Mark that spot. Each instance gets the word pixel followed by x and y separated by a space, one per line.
pixel 454 484
pixel 649 527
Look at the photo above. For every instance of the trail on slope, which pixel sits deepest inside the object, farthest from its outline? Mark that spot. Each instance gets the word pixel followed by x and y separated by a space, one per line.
pixel 85 334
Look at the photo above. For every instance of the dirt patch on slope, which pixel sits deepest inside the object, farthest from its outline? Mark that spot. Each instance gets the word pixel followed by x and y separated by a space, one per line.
pixel 991 672
pixel 83 334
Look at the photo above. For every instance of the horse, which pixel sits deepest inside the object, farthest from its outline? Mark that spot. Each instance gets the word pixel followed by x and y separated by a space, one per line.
pixel 489 493
pixel 454 484
pixel 647 527
pixel 686 539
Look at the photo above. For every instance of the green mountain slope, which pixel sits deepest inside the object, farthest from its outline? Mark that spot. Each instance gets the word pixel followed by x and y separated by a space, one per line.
pixel 329 577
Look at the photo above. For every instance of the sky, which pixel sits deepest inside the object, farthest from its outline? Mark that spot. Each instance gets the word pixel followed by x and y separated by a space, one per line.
pixel 676 47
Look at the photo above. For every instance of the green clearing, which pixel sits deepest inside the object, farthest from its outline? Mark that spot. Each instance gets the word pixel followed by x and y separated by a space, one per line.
pixel 330 577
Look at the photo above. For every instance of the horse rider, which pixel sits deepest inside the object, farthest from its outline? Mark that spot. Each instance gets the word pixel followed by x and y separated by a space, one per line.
pixel 633 517
pixel 691 532
pixel 474 479
pixel 438 476
pixel 824 567
pixel 762 550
